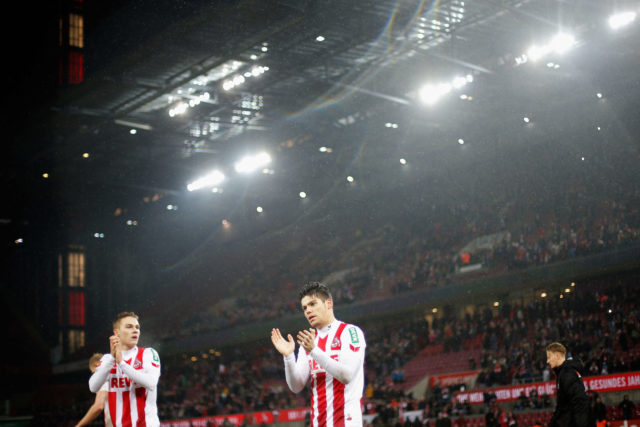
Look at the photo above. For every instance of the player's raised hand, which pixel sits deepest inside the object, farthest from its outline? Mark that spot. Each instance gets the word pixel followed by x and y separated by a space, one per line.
pixel 306 338
pixel 285 347
pixel 116 350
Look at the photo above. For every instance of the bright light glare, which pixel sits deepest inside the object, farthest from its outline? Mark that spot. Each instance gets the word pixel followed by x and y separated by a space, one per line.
pixel 251 163
pixel 403 161
pixel 460 141
pixel 458 82
pixel 619 20
pixel 430 94
pixel 562 42
pixel 180 108
pixel 303 195
pixel 526 119
pixel 350 178
pixel 210 180
pixel 535 52
pixel 259 209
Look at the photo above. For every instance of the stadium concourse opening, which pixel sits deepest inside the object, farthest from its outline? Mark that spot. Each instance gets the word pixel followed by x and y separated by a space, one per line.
pixel 462 176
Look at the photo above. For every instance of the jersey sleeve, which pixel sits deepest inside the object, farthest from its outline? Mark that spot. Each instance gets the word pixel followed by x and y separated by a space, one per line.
pixel 149 375
pixel 99 377
pixel 296 370
pixel 350 359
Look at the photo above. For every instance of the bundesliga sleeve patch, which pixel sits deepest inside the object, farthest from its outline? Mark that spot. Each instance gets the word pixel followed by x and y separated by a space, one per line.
pixel 354 335
pixel 156 359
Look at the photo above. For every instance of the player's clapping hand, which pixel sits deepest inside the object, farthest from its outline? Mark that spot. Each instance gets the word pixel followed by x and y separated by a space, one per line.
pixel 306 338
pixel 116 350
pixel 285 347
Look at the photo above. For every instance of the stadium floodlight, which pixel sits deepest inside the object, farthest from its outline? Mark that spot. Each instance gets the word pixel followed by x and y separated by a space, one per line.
pixel 180 108
pixel 536 52
pixel 430 94
pixel 559 44
pixel 249 164
pixel 619 20
pixel 458 82
pixel 562 42
pixel 210 180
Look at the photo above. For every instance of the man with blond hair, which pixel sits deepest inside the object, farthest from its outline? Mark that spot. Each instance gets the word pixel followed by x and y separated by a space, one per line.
pixel 100 400
pixel 131 374
pixel 572 402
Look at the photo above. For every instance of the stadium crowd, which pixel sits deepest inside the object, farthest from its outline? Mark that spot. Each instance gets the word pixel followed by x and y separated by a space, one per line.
pixel 513 338
pixel 533 230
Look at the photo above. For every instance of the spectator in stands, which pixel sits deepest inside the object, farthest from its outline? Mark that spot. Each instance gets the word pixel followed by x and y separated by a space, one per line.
pixel 443 420
pixel 490 419
pixel 627 407
pixel 523 402
pixel 572 402
pixel 599 412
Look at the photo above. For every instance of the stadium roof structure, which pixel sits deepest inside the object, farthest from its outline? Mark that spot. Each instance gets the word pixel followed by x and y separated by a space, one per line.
pixel 328 88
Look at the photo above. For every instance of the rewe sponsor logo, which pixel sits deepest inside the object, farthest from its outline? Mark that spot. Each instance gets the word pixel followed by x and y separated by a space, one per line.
pixel 120 382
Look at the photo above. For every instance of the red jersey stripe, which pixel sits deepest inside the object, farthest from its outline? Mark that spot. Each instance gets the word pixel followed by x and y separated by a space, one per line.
pixel 141 398
pixel 113 396
pixel 322 343
pixel 338 404
pixel 322 399
pixel 126 410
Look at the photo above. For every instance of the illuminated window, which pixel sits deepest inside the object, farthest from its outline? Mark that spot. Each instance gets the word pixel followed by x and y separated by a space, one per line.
pixel 76 308
pixel 76 67
pixel 76 30
pixel 76 340
pixel 76 269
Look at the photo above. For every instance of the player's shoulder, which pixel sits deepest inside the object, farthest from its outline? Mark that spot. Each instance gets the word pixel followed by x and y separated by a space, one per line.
pixel 152 353
pixel 353 333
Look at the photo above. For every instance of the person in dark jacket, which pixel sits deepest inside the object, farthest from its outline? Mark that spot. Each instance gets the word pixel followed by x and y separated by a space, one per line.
pixel 572 402
pixel 600 412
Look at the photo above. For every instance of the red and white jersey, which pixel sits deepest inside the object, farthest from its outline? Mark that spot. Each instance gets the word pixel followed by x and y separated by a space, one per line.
pixel 107 417
pixel 131 385
pixel 336 369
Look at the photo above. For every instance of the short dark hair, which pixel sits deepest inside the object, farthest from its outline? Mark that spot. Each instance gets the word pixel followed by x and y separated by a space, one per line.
pixel 120 316
pixel 556 347
pixel 315 289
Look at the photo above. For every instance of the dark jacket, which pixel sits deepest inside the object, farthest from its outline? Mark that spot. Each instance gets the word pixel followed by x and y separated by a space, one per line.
pixel 572 407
